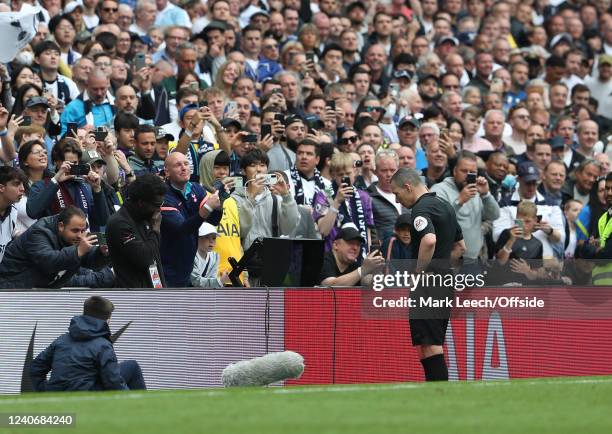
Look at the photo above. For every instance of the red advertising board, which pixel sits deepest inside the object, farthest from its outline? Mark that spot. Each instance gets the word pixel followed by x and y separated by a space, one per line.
pixel 341 345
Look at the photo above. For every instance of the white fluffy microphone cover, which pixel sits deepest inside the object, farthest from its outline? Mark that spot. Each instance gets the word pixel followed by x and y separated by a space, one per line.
pixel 264 370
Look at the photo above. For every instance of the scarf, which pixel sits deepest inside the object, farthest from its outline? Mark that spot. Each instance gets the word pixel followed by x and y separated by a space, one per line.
pixel 351 211
pixel 63 198
pixel 300 199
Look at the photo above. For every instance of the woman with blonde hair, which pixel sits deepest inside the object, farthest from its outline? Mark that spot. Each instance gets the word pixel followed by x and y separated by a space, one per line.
pixel 226 76
pixel 347 205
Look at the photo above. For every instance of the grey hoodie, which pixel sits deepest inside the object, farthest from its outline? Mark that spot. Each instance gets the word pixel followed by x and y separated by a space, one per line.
pixel 470 215
pixel 256 216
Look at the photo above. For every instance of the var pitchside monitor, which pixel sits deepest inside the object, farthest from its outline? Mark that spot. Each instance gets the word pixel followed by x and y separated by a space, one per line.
pixel 292 262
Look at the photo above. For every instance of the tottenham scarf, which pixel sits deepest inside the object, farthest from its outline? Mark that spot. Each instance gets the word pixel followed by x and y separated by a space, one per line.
pixel 63 198
pixel 300 198
pixel 352 210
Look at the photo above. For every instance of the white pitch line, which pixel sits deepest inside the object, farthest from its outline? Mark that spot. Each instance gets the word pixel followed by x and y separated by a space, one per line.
pixel 188 393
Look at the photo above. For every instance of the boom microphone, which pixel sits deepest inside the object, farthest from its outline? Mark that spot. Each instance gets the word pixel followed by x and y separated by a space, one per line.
pixel 264 370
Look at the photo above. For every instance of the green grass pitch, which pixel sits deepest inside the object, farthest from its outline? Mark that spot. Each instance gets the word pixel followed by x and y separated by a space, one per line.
pixel 559 405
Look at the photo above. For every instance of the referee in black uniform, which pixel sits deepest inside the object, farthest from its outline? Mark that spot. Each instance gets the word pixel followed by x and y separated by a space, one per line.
pixel 436 240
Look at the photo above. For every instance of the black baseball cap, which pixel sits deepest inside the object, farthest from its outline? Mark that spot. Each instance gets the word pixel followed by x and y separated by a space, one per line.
pixel 409 119
pixel 404 220
pixel 229 122
pixel 349 233
pixel 36 100
pixel 160 134
pixel 528 172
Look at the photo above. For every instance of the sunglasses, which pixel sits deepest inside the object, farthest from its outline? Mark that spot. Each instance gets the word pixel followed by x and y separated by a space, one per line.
pixel 110 9
pixel 347 140
pixel 374 109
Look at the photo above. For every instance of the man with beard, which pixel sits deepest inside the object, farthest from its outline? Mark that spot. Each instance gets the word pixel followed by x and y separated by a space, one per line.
pixel 133 235
pixel 295 131
pixel 473 203
pixel 428 88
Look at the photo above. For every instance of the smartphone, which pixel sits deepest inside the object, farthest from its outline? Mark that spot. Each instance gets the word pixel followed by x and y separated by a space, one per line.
pixel 394 90
pixel 310 56
pixel 100 134
pixel 101 238
pixel 279 117
pixel 520 223
pixel 238 184
pixel 194 85
pixel 27 121
pixel 346 180
pixel 250 138
pixel 331 104
pixel 72 128
pixel 266 130
pixel 471 178
pixel 223 193
pixel 204 103
pixel 80 169
pixel 232 107
pixel 269 178
pixel 139 61
pixel 539 217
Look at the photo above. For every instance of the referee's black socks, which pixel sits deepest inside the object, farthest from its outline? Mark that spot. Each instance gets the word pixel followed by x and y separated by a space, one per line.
pixel 435 368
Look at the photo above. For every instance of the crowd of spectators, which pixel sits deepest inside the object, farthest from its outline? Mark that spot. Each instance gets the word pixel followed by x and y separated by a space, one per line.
pixel 268 118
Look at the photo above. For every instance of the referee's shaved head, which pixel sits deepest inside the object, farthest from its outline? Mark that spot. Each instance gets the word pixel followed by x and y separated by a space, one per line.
pixel 405 176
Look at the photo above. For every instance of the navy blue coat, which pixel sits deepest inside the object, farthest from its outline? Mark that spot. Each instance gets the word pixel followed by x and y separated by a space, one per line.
pixel 179 232
pixel 82 359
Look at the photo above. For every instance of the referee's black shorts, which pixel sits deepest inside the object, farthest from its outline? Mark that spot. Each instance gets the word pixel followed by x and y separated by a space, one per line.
pixel 428 323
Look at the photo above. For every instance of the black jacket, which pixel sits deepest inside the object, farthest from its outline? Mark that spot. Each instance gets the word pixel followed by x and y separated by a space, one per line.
pixel 134 247
pixel 39 258
pixel 82 359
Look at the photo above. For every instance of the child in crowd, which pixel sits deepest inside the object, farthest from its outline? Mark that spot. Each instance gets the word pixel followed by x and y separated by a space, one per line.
pixel 518 247
pixel 206 263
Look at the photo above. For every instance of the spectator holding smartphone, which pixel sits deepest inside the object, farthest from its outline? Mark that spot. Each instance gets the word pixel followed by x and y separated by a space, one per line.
pixel 347 204
pixel 265 209
pixel 469 195
pixel 517 245
pixel 57 191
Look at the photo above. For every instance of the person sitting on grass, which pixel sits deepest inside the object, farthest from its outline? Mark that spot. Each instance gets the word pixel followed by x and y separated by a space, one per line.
pixel 84 358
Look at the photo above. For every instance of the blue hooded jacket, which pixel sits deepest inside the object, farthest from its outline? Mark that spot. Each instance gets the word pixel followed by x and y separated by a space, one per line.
pixel 82 359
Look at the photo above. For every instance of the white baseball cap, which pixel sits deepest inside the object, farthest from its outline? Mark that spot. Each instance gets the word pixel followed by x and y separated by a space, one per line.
pixel 206 229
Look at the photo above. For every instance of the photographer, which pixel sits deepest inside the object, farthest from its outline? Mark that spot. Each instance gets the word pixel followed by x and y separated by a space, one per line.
pixel 72 184
pixel 52 253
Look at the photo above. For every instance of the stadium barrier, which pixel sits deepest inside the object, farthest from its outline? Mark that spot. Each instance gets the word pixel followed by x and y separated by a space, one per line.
pixel 184 338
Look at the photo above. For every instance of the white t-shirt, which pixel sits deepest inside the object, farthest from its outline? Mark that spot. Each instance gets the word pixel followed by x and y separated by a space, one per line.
pixel 7 230
pixel 391 198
